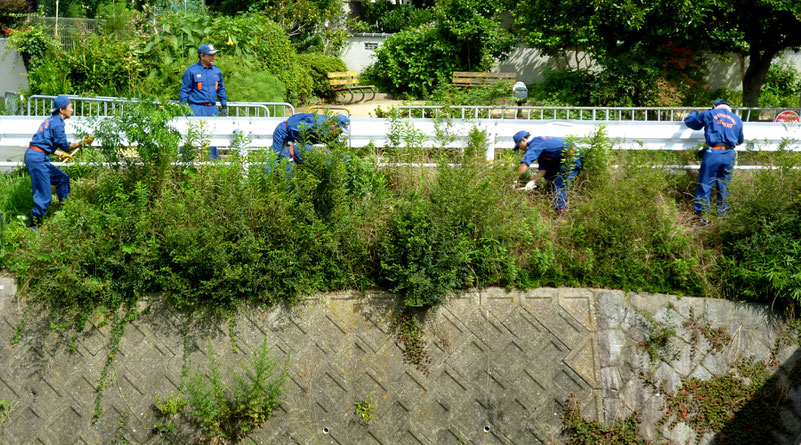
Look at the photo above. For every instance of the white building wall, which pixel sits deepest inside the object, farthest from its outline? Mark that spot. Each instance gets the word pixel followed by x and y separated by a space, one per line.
pixel 530 64
pixel 13 75
pixel 360 50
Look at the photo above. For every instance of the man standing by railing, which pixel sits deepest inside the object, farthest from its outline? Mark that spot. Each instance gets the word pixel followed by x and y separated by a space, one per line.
pixel 201 85
pixel 723 130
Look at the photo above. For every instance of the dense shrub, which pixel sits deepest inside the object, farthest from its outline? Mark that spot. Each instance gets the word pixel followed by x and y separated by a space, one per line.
pixel 318 66
pixel 214 238
pixel 384 16
pixel 414 62
pixel 761 240
pixel 245 82
pixel 782 86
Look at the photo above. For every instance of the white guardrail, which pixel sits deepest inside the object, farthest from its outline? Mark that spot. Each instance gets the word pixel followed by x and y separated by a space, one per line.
pixel 16 132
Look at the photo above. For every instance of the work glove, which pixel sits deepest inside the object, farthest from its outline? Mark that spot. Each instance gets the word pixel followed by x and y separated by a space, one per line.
pixel 530 185
pixel 66 157
pixel 88 140
pixel 224 111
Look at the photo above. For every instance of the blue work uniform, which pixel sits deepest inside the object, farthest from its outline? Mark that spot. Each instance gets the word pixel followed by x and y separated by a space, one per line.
pixel 561 162
pixel 723 130
pixel 49 138
pixel 311 128
pixel 200 88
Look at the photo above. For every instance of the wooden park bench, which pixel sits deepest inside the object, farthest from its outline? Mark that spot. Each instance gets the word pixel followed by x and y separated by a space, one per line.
pixel 348 81
pixel 475 79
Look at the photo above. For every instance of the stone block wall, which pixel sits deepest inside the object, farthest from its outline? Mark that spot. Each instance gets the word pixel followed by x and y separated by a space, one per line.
pixel 500 367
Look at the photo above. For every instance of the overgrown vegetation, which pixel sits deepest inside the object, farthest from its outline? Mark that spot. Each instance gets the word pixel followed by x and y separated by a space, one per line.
pixel 215 238
pixel 580 431
pixel 146 56
pixel 226 405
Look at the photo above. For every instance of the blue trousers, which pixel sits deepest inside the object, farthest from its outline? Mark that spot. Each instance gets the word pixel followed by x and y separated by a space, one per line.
pixel 43 176
pixel 716 169
pixel 560 173
pixel 207 110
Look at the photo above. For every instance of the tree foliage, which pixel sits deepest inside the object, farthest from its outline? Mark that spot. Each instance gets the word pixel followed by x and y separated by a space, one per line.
pixel 465 36
pixel 644 35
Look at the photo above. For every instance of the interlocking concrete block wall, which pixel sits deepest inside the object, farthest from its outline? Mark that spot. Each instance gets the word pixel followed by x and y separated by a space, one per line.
pixel 502 364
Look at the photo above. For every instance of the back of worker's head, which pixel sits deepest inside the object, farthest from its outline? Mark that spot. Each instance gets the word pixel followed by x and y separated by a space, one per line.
pixel 720 102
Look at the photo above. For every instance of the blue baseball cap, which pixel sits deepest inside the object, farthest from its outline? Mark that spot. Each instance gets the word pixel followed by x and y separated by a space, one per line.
pixel 719 102
pixel 207 48
pixel 519 137
pixel 59 102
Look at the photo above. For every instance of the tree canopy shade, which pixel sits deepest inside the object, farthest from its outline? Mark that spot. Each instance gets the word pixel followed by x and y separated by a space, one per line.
pixel 623 33
pixel 759 29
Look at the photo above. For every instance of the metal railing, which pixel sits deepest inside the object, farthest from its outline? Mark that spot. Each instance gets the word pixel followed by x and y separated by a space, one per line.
pixel 593 114
pixel 16 131
pixel 39 105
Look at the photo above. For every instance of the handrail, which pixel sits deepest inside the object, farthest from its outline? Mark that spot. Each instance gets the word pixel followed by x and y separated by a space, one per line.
pixel 39 105
pixel 593 114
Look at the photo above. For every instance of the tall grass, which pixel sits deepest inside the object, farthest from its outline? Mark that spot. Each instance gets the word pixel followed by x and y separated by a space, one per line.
pixel 215 238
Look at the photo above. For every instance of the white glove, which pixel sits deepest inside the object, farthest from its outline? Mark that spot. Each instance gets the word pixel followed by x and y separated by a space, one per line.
pixel 530 185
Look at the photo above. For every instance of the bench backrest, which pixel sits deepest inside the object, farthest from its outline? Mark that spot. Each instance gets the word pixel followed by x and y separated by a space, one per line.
pixel 470 78
pixel 343 78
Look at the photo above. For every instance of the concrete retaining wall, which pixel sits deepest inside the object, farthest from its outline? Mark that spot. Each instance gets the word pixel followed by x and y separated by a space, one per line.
pixel 501 365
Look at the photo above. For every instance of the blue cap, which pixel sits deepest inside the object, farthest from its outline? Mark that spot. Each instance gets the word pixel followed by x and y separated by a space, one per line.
pixel 207 48
pixel 719 102
pixel 519 137
pixel 59 102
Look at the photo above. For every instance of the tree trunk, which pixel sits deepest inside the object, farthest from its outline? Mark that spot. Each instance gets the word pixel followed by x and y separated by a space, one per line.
pixel 758 66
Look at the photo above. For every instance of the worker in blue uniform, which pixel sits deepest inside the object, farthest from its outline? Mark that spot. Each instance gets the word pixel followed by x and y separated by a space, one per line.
pixel 558 161
pixel 723 130
pixel 50 139
pixel 201 86
pixel 301 131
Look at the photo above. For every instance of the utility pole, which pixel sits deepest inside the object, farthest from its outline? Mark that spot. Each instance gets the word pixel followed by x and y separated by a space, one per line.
pixel 56 31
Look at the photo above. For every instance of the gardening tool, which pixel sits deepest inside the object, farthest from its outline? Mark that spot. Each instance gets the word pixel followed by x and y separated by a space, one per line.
pixel 85 141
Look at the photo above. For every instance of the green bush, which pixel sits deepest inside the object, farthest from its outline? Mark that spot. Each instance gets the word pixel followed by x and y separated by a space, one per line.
pixel 761 240
pixel 245 83
pixel 384 16
pixel 318 66
pixel 230 408
pixel 782 87
pixel 414 62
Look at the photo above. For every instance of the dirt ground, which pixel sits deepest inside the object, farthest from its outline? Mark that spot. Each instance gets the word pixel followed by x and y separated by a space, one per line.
pixel 366 108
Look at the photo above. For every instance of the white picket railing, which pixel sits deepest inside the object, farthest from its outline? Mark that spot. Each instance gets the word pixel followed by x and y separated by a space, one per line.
pixel 16 132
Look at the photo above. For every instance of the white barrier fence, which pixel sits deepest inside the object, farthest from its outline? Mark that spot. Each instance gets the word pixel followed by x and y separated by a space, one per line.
pixel 16 132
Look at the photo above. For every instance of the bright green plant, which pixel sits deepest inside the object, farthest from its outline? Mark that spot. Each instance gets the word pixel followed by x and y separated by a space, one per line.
pixel 6 408
pixel 168 409
pixel 245 82
pixel 365 409
pixel 782 86
pixel 230 406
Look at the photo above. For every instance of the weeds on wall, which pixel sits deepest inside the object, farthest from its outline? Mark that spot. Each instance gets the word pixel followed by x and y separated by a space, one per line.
pixel 226 405
pixel 581 431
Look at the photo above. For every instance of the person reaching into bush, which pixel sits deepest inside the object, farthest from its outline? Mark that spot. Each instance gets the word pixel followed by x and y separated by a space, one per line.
pixel 50 139
pixel 201 85
pixel 723 130
pixel 301 131
pixel 558 162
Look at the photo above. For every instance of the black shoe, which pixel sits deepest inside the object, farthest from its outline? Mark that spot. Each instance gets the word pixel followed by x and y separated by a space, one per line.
pixel 701 219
